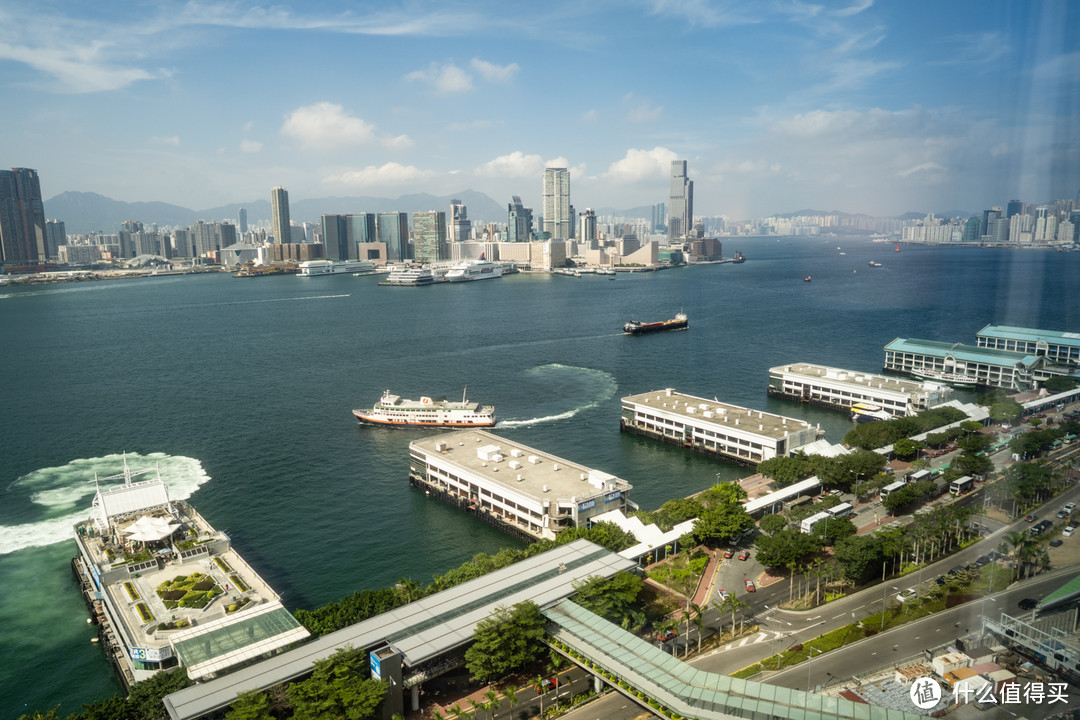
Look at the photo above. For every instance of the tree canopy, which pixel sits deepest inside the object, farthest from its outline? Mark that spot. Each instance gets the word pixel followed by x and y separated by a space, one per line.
pixel 506 641
pixel 340 687
pixel 615 599
pixel 784 547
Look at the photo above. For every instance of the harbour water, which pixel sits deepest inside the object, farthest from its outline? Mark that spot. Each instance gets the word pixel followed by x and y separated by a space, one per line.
pixel 240 391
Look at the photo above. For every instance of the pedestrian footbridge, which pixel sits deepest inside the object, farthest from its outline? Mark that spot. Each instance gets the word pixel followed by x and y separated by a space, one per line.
pixel 684 690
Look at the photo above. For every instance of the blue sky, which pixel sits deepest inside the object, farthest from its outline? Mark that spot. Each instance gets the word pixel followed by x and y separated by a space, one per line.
pixel 859 106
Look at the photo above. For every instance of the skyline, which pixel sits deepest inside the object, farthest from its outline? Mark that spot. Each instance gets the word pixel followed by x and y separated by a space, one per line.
pixel 852 106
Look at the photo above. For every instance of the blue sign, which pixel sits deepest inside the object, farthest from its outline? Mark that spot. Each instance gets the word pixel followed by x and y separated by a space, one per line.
pixel 376 667
pixel 588 504
pixel 613 496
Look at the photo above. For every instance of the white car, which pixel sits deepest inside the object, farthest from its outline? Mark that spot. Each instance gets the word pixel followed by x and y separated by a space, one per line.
pixel 1068 531
pixel 906 595
pixel 1070 506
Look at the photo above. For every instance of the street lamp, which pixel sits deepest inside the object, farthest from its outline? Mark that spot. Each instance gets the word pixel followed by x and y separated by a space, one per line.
pixel 809 665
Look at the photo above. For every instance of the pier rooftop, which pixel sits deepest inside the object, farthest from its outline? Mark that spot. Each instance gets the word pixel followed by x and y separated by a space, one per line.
pixel 853 377
pixel 525 470
pixel 700 411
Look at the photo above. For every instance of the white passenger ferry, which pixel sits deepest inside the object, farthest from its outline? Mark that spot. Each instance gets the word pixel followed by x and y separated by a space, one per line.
pixel 314 268
pixel 474 270
pixel 406 276
pixel 865 412
pixel 395 411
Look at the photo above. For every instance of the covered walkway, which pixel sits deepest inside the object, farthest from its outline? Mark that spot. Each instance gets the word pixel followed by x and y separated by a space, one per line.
pixel 688 691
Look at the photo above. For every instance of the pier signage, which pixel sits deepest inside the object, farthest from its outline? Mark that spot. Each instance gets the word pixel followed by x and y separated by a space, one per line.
pixel 613 496
pixel 587 505
pixel 376 666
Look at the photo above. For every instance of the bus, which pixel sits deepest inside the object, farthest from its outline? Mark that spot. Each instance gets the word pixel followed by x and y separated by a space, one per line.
pixel 842 510
pixel 889 489
pixel 962 485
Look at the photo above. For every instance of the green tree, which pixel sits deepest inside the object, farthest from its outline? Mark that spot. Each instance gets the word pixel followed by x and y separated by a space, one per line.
pixel 506 641
pixel 144 699
pixel 973 464
pixel 340 688
pixel 773 523
pixel 1059 384
pixel 1005 410
pixel 719 524
pixel 859 557
pixel 251 705
pixel 830 530
pixel 906 448
pixel 785 547
pixel 974 442
pixel 615 599
pixel 786 470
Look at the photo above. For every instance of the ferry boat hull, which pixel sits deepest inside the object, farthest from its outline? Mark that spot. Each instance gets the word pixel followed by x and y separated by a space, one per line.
pixel 679 322
pixel 953 379
pixel 395 411
pixel 316 268
pixel 474 270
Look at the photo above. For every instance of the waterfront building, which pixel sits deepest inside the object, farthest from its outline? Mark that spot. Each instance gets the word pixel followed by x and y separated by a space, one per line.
pixel 729 432
pixel 524 491
pixel 460 226
pixel 207 238
pixel 22 218
pixel 978 365
pixel 392 228
pixel 519 223
pixel 138 541
pixel 335 237
pixel 681 204
pixel 558 220
pixel 1055 345
pixel 279 210
pixel 55 236
pixel 840 389
pixel 429 236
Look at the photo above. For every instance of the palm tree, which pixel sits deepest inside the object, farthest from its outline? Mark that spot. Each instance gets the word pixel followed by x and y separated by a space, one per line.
pixel 437 714
pixel 493 700
pixel 510 692
pixel 699 622
pixel 477 706
pixel 458 712
pixel 538 683
pixel 736 604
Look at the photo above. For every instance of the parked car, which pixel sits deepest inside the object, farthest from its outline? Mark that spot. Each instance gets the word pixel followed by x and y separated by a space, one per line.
pixel 744 555
pixel 1056 542
pixel 750 586
pixel 982 560
pixel 1031 517
pixel 1070 506
pixel 662 637
pixel 1062 513
pixel 1068 531
pixel 728 553
pixel 723 595
pixel 1028 604
pixel 906 595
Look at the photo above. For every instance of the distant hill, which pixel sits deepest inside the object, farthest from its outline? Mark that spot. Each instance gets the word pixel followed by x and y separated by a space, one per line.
pixel 85 212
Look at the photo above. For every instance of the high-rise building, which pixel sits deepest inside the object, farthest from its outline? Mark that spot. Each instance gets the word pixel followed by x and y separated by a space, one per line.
pixel 681 203
pixel 587 226
pixel 460 225
pixel 659 217
pixel 55 236
pixel 241 221
pixel 429 236
pixel 392 228
pixel 558 220
pixel 22 217
pixel 1015 207
pixel 519 222
pixel 341 233
pixel 279 206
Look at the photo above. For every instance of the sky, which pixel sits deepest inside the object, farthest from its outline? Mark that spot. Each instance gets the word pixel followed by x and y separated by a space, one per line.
pixel 872 106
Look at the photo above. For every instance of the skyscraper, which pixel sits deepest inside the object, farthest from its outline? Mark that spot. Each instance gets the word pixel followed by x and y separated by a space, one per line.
pixel 335 237
pixel 241 221
pixel 681 203
pixel 519 222
pixel 282 226
pixel 558 222
pixel 587 226
pixel 393 229
pixel 22 217
pixel 460 225
pixel 429 236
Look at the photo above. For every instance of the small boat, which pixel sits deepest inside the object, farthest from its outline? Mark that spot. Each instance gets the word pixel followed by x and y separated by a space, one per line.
pixel 806 278
pixel 874 264
pixel 954 379
pixel 739 257
pixel 679 322
pixel 897 248
pixel 865 412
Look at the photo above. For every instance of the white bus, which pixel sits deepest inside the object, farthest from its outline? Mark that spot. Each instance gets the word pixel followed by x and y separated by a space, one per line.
pixel 842 510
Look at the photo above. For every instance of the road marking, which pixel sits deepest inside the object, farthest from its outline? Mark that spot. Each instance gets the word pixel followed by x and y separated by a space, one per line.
pixel 839 616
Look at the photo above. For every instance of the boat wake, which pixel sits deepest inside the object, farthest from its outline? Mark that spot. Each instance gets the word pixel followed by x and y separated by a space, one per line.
pixel 562 380
pixel 51 500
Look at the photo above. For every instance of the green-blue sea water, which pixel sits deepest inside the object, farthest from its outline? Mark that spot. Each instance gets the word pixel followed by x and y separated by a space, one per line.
pixel 240 391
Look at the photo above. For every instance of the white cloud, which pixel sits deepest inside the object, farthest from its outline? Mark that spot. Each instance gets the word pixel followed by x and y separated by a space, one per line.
pixel 326 126
pixel 79 68
pixel 704 13
pixel 474 125
pixel 515 165
pixel 590 116
pixel 494 73
pixel 392 173
pixel 249 125
pixel 642 164
pixel 173 140
pixel 641 111
pixel 856 8
pixel 445 79
pixel 926 167
pixel 250 146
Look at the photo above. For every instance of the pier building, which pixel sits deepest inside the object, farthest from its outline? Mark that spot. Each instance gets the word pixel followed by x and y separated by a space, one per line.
pixel 972 364
pixel 729 432
pixel 1058 347
pixel 840 389
pixel 166 589
pixel 516 488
